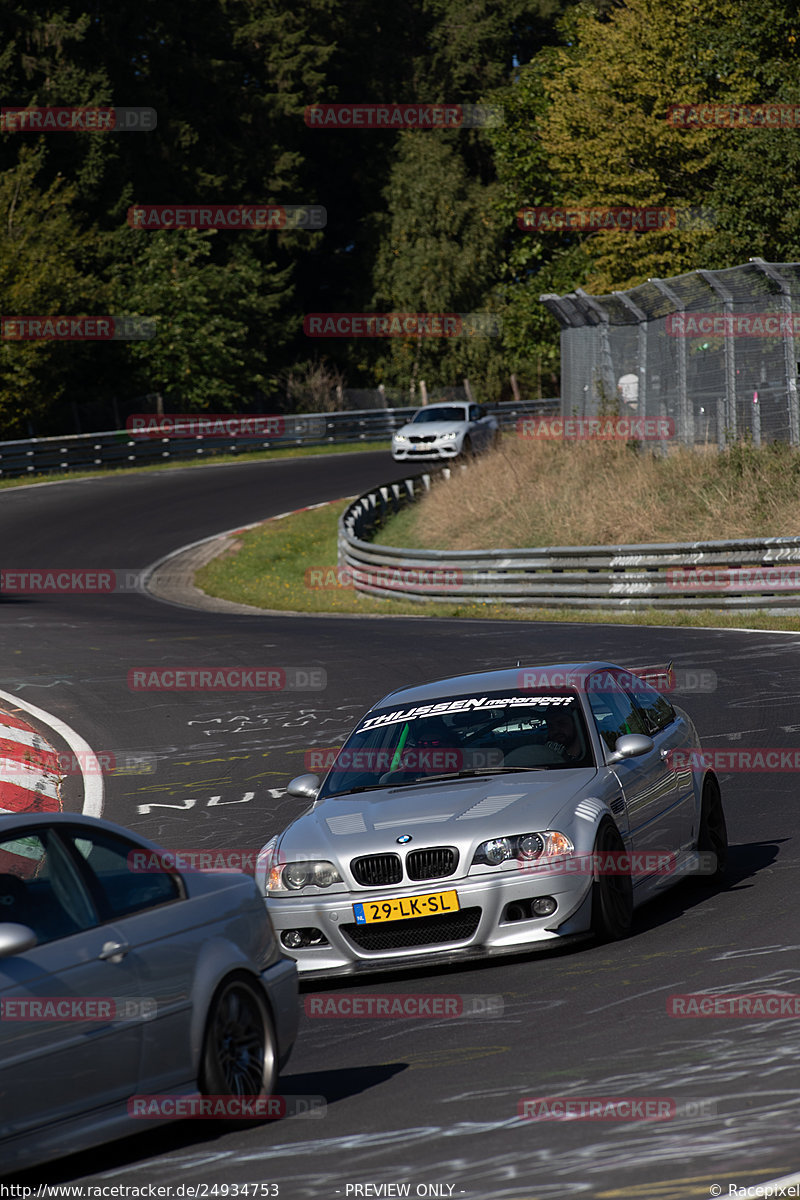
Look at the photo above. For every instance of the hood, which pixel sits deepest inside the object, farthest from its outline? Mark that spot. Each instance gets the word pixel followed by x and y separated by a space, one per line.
pixel 430 427
pixel 462 813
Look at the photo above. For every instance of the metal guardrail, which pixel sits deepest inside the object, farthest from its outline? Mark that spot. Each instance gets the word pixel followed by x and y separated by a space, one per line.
pixel 120 448
pixel 637 576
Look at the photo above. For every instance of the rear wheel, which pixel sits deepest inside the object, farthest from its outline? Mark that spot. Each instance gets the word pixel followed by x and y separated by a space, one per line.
pixel 712 836
pixel 612 893
pixel 239 1055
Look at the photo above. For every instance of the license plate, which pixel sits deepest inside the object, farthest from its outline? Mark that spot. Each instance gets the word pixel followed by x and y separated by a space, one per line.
pixel 372 911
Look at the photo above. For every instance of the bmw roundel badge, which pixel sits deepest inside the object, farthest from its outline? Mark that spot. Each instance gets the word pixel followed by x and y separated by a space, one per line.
pixel 404 839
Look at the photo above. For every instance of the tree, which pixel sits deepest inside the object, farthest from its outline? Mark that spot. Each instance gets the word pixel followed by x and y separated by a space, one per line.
pixel 608 140
pixel 214 333
pixel 43 257
pixel 438 254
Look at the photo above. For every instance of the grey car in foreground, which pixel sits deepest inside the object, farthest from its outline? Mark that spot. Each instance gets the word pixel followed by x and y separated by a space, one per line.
pixel 442 431
pixel 127 988
pixel 493 813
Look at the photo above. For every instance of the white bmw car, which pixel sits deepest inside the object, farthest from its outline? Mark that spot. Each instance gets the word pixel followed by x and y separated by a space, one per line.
pixel 442 431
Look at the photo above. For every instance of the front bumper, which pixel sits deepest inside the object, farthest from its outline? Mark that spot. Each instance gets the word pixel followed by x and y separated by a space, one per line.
pixel 482 916
pixel 409 452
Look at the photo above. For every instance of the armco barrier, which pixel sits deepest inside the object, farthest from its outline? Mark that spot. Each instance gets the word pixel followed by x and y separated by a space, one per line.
pixel 637 576
pixel 118 448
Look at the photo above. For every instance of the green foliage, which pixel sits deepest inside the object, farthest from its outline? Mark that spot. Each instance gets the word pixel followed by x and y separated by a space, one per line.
pixel 437 254
pixel 43 255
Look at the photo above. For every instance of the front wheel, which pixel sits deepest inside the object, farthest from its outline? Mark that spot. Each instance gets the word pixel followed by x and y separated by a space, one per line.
pixel 712 836
pixel 239 1056
pixel 612 893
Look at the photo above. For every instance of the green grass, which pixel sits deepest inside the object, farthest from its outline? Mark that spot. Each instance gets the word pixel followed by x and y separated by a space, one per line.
pixel 205 461
pixel 268 570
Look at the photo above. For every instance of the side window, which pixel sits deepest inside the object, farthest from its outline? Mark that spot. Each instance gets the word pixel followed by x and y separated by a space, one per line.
pixel 126 877
pixel 474 412
pixel 40 887
pixel 656 710
pixel 614 714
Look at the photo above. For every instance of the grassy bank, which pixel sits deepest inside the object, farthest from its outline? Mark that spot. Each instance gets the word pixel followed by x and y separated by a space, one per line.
pixel 530 493
pixel 290 564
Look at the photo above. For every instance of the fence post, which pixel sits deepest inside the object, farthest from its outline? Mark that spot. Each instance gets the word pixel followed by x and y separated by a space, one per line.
pixel 789 347
pixel 729 342
pixel 686 430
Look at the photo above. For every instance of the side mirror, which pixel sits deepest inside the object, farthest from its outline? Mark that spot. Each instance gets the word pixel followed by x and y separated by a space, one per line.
pixel 304 787
pixel 630 745
pixel 15 939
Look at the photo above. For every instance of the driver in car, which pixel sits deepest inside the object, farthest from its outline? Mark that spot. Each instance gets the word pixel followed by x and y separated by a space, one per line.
pixel 562 734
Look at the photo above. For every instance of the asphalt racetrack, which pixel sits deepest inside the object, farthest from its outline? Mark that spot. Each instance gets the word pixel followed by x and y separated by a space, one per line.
pixel 432 1103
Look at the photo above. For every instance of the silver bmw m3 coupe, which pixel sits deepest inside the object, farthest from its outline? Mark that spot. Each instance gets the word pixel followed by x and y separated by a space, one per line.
pixel 493 813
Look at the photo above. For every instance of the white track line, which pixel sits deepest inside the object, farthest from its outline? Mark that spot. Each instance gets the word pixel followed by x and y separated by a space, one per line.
pixel 90 768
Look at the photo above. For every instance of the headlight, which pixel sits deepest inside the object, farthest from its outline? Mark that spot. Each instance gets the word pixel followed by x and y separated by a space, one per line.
pixel 523 846
pixel 296 875
pixel 447 437
pixel 399 437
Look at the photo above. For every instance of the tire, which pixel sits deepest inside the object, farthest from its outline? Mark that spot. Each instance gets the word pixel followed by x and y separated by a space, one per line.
pixel 466 448
pixel 239 1056
pixel 612 895
pixel 712 836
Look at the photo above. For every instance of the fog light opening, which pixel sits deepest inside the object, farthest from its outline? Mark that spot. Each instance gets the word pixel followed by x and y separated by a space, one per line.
pixel 543 906
pixel 299 939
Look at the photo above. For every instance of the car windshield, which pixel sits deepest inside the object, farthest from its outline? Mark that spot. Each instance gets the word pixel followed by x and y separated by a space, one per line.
pixel 448 413
pixel 513 730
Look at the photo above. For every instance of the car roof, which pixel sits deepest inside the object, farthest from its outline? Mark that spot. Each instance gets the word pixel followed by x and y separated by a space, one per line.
pixel 445 404
pixel 486 681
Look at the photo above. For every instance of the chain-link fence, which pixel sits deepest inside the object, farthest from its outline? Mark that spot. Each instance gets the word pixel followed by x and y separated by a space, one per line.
pixel 715 352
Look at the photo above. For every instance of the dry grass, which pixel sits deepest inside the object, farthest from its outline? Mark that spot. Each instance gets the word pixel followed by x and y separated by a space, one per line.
pixel 530 493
